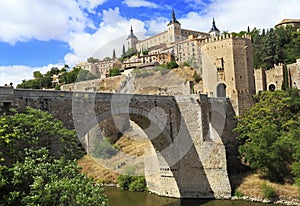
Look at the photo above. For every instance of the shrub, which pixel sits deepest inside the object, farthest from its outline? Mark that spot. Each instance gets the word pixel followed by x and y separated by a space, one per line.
pixel 124 181
pixel 138 184
pixel 132 183
pixel 103 149
pixel 196 77
pixel 238 193
pixel 114 72
pixel 268 191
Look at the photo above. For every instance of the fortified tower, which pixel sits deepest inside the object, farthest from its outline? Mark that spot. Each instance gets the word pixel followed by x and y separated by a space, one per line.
pixel 174 29
pixel 132 40
pixel 228 70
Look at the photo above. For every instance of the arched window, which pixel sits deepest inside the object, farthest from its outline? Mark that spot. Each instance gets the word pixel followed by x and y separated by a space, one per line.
pixel 272 87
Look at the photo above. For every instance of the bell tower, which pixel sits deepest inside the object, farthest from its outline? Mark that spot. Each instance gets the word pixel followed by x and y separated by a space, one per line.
pixel 132 40
pixel 214 31
pixel 174 29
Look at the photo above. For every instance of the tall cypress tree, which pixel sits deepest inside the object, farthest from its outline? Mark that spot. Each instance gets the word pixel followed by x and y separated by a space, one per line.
pixel 114 54
pixel 123 51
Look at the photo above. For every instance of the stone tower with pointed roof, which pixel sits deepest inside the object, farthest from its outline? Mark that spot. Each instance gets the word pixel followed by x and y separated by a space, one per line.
pixel 214 31
pixel 132 40
pixel 174 29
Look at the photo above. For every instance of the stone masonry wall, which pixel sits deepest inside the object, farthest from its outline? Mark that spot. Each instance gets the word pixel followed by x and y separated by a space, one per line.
pixel 228 61
pixel 190 157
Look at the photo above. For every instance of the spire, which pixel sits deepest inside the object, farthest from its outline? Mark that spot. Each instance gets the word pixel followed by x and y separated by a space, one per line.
pixel 131 35
pixel 173 16
pixel 214 28
pixel 173 20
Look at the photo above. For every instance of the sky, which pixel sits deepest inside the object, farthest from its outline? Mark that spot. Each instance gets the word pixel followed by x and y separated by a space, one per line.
pixel 41 34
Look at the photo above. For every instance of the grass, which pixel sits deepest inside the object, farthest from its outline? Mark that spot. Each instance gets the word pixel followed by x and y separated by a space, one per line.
pixel 251 185
pixel 100 174
pixel 94 170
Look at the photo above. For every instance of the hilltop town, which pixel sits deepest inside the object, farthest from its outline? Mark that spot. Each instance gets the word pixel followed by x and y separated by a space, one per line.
pixel 221 65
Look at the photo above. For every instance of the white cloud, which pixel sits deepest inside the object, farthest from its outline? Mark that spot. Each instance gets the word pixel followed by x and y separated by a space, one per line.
pixel 236 15
pixel 140 3
pixel 158 24
pixel 90 5
pixel 41 20
pixel 17 73
pixel 111 34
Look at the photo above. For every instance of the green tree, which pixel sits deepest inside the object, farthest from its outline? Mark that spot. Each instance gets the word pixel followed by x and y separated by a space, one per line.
pixel 84 75
pixel 269 134
pixel 43 180
pixel 114 54
pixel 38 163
pixel 114 72
pixel 37 74
pixel 92 60
pixel 53 70
pixel 172 65
pixel 123 51
pixel 35 129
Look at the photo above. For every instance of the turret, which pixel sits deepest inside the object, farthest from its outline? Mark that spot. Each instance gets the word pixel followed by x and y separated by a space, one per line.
pixel 174 29
pixel 214 31
pixel 131 40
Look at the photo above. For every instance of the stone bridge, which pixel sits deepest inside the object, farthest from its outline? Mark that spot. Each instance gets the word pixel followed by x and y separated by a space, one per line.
pixel 187 133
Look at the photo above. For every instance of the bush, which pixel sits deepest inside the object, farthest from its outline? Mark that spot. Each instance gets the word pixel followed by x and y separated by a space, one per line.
pixel 114 72
pixel 268 191
pixel 103 149
pixel 238 193
pixel 197 77
pixel 124 181
pixel 132 183
pixel 138 184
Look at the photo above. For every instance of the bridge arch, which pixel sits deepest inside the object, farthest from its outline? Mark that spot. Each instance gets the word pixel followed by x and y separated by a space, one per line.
pixel 168 169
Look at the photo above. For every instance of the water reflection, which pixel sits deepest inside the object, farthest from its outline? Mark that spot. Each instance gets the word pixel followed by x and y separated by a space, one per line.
pixel 124 198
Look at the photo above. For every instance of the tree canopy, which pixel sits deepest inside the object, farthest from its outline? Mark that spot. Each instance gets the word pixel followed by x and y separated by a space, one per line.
pixel 66 77
pixel 38 163
pixel 279 45
pixel 270 135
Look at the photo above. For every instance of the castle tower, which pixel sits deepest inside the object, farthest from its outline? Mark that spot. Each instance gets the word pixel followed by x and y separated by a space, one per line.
pixel 227 67
pixel 214 31
pixel 174 29
pixel 131 40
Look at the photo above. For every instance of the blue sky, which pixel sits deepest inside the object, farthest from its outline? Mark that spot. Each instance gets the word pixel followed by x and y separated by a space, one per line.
pixel 37 34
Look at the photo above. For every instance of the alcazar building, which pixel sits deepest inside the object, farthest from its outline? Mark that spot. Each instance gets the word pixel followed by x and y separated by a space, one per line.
pixel 225 62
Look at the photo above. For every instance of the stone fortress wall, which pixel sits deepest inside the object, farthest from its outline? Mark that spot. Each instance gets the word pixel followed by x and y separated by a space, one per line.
pixel 273 78
pixel 227 70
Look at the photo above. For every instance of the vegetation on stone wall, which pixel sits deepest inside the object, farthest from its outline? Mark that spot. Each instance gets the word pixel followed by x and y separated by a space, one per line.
pixel 38 163
pixel 269 136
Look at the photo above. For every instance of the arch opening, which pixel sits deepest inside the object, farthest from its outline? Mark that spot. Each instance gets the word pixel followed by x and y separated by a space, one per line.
pixel 221 90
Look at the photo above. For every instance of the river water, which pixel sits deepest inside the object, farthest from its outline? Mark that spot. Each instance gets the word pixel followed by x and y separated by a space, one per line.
pixel 117 197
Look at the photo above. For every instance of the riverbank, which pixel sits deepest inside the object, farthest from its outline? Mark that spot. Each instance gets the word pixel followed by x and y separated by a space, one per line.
pixel 246 186
pixel 249 187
